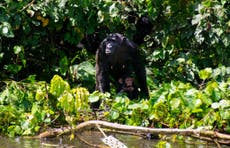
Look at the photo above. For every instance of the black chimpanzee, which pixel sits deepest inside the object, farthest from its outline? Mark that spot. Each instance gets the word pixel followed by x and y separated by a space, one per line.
pixel 118 60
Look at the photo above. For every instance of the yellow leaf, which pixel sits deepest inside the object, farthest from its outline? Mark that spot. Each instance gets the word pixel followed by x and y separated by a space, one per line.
pixel 45 22
pixel 39 17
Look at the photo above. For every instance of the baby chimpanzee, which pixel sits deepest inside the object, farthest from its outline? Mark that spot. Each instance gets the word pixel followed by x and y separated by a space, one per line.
pixel 126 85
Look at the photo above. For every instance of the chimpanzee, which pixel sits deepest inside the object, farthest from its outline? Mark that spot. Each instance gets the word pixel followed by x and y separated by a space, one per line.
pixel 118 58
pixel 127 85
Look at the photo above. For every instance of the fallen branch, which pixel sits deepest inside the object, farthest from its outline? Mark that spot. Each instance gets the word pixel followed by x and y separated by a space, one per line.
pixel 198 133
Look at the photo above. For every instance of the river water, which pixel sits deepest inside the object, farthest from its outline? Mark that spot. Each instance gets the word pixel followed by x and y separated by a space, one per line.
pixel 95 138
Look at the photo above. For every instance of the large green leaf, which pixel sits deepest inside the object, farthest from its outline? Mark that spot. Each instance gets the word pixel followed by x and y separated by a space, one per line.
pixel 175 103
pixel 141 106
pixel 66 101
pixel 114 115
pixel 58 86
pixel 205 73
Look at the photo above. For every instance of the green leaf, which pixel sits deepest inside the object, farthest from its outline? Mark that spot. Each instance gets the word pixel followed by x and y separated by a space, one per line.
pixel 199 36
pixel 114 115
pixel 141 106
pixel 64 65
pixel 86 71
pixel 205 73
pixel 198 110
pixel 191 92
pixel 35 108
pixel 196 19
pixel 81 96
pixel 101 16
pixel 18 49
pixel 94 97
pixel 207 3
pixel 180 60
pixel 175 103
pixel 113 10
pixel 211 90
pixel 58 86
pixel 66 101
pixel 13 68
pixel 225 114
pixel 197 103
pixel 6 30
pixel 215 105
pixel 31 78
pixel 224 104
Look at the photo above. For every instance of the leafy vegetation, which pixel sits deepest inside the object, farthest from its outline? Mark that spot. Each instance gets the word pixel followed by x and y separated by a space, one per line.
pixel 28 108
pixel 47 63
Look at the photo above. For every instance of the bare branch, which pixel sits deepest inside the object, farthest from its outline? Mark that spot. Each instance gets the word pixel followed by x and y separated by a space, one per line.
pixel 216 137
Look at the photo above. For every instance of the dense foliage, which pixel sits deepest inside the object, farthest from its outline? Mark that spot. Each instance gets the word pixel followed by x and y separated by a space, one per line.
pixel 27 108
pixel 187 58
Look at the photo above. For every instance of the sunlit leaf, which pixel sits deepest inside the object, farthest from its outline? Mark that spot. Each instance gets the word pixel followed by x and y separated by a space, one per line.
pixel 6 30
pixel 196 19
pixel 197 103
pixel 205 73
pixel 138 105
pixel 114 115
pixel 113 10
pixel 215 105
pixel 225 114
pixel 81 97
pixel 207 3
pixel 191 92
pixel 197 110
pixel 224 104
pixel 180 60
pixel 66 101
pixel 175 103
pixel 199 36
pixel 58 86
pixel 94 97
pixel 101 16
pixel 17 49
pixel 211 87
pixel 35 108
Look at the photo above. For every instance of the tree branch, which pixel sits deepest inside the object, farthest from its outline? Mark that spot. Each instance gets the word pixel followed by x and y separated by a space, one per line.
pixel 198 133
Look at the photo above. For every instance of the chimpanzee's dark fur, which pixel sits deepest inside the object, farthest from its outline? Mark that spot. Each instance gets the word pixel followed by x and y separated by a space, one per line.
pixel 116 59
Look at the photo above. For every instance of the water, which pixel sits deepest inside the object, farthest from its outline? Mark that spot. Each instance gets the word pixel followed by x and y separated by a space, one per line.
pixel 95 138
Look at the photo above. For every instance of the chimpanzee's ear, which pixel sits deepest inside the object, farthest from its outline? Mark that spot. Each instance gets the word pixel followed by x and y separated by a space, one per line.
pixel 117 37
pixel 129 43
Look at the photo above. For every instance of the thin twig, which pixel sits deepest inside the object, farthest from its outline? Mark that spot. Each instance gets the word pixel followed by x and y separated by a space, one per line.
pixel 101 130
pixel 26 6
pixel 217 143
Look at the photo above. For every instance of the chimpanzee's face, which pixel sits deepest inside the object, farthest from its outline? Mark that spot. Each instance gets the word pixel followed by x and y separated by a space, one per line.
pixel 111 44
pixel 129 81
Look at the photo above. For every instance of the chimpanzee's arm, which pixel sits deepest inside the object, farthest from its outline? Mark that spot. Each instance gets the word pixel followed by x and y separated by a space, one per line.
pixel 102 75
pixel 102 78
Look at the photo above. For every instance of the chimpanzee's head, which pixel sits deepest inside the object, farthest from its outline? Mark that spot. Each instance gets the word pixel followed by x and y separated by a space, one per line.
pixel 112 42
